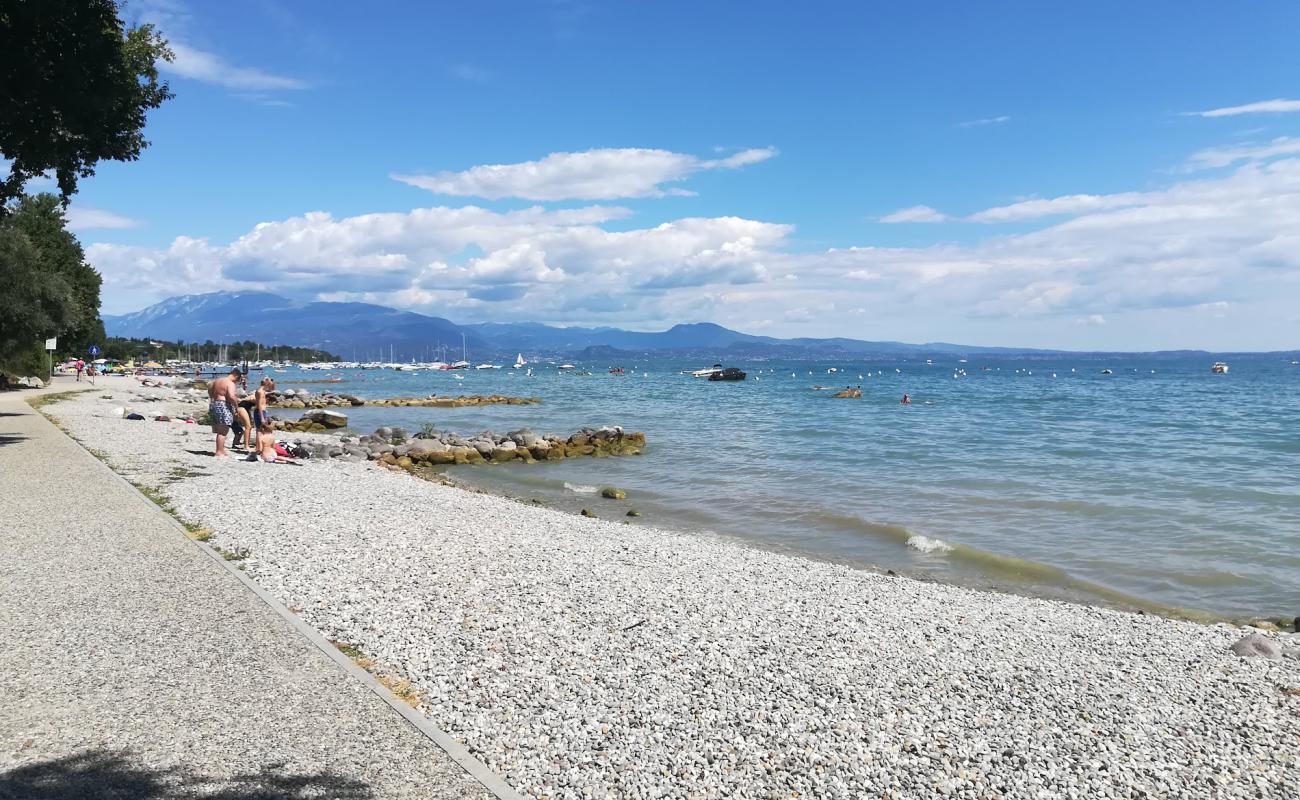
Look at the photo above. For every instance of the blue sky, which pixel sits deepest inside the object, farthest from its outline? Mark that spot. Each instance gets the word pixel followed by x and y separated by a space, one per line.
pixel 1011 173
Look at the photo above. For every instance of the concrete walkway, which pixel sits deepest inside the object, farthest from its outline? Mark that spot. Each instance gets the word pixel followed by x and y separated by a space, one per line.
pixel 135 665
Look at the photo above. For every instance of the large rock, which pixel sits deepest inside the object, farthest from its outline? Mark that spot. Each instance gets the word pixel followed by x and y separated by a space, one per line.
pixel 1257 645
pixel 330 419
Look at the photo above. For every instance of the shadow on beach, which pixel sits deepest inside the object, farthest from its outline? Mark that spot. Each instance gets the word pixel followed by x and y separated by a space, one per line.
pixel 114 775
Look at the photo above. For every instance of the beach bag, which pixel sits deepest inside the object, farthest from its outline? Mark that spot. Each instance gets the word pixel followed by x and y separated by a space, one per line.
pixel 134 415
pixel 280 450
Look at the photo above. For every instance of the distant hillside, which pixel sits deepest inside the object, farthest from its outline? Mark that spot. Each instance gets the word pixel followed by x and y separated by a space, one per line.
pixel 356 331
pixel 365 332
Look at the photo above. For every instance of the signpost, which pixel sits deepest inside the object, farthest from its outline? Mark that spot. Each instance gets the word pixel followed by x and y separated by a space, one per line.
pixel 94 351
pixel 50 346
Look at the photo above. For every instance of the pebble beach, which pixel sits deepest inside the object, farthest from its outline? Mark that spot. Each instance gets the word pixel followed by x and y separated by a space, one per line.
pixel 586 658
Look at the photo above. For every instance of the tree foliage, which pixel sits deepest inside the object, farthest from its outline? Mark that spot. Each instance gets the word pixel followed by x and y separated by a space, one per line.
pixel 121 349
pixel 49 289
pixel 75 85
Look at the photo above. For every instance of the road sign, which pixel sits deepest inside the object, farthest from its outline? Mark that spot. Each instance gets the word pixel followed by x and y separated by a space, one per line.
pixel 52 344
pixel 94 349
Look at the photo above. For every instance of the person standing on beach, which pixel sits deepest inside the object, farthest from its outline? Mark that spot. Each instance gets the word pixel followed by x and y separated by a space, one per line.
pixel 81 366
pixel 222 401
pixel 260 414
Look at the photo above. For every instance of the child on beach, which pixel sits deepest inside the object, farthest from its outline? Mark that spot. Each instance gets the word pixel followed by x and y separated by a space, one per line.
pixel 266 451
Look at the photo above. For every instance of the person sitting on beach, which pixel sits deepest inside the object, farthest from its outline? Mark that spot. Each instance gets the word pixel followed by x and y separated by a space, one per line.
pixel 907 401
pixel 266 451
pixel 222 402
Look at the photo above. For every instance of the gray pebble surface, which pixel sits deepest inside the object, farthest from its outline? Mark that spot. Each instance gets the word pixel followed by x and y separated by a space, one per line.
pixel 584 658
pixel 134 665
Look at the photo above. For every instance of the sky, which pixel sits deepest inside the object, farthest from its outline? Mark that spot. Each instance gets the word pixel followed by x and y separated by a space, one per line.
pixel 1094 176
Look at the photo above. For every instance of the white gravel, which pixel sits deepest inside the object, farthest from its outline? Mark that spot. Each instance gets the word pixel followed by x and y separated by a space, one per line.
pixel 585 658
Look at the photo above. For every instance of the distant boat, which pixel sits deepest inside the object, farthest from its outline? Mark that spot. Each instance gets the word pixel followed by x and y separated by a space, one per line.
pixel 519 361
pixel 1107 372
pixel 617 371
pixel 566 366
pixel 728 374
pixel 708 372
pixel 488 366
pixel 1220 368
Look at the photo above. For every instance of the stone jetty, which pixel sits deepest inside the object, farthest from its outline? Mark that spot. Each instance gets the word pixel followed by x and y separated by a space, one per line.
pixel 434 448
pixel 301 398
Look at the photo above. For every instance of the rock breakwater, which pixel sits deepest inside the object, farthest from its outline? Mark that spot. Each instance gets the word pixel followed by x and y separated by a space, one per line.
pixel 431 448
pixel 300 398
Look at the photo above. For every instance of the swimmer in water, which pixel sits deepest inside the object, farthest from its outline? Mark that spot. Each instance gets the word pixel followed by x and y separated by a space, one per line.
pixel 907 401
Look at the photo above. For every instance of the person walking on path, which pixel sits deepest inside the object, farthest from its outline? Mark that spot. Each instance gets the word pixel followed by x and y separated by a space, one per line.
pixel 222 401
pixel 81 366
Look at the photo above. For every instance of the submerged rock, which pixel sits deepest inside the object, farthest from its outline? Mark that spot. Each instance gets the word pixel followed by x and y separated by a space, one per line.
pixel 612 493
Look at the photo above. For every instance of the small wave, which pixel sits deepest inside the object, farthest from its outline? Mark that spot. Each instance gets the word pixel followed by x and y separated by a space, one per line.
pixel 925 544
pixel 580 488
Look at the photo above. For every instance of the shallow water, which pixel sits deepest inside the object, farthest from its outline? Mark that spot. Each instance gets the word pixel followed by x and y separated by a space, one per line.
pixel 1168 489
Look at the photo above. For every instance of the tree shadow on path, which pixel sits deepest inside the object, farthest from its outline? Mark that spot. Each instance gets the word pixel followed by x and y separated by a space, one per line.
pixel 115 775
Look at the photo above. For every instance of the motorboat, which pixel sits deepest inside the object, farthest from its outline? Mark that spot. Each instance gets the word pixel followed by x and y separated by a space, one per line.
pixel 728 374
pixel 456 365
pixel 1220 368
pixel 1107 372
pixel 708 372
pixel 488 366
pixel 565 366
pixel 617 371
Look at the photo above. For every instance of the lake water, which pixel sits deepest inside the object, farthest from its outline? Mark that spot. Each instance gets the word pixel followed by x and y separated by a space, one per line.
pixel 1159 486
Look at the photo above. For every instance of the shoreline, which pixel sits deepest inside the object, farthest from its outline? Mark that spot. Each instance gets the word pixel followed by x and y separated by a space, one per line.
pixel 535 636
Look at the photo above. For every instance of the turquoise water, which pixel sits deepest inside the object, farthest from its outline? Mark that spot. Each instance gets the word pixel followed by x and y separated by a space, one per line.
pixel 1159 486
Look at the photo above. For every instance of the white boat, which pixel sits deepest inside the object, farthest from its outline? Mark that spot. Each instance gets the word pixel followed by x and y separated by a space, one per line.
pixel 519 361
pixel 1220 368
pixel 707 372
pixel 566 366
pixel 488 366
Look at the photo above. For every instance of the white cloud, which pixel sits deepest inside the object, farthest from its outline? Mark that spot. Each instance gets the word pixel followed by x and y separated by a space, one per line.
pixel 1092 320
pixel 84 218
pixel 1213 157
pixel 191 62
pixel 976 123
pixel 1278 106
pixel 1131 259
pixel 603 174
pixel 1067 205
pixel 915 214
pixel 174 20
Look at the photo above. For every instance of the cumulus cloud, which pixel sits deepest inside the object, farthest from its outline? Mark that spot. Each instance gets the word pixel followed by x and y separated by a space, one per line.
pixel 1278 106
pixel 915 214
pixel 1187 248
pixel 603 174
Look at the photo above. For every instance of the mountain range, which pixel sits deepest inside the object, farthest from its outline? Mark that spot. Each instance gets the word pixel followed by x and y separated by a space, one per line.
pixel 364 332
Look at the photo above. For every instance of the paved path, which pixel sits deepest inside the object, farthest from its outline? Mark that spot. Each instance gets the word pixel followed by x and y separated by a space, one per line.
pixel 134 665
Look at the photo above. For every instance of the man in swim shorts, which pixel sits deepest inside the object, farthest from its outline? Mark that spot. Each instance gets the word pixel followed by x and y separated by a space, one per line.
pixel 221 406
pixel 260 413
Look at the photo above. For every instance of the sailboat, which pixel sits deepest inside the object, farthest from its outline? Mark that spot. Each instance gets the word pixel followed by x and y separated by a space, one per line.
pixel 519 361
